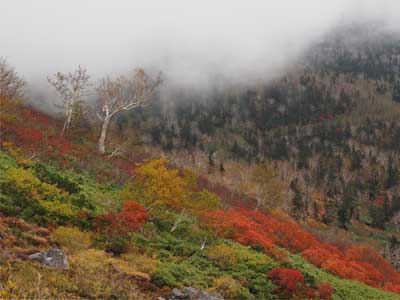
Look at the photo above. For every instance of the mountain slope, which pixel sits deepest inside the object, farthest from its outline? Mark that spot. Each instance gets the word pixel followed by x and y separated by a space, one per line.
pixel 147 228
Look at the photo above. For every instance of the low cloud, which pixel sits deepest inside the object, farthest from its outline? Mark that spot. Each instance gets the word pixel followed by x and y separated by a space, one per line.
pixel 190 41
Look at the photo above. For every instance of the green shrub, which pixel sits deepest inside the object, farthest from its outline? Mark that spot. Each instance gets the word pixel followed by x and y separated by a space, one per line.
pixel 27 197
pixel 118 245
pixel 224 255
pixel 179 274
pixel 46 174
pixel 21 192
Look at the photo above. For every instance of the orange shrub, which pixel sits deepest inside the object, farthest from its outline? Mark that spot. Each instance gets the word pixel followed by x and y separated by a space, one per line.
pixel 130 219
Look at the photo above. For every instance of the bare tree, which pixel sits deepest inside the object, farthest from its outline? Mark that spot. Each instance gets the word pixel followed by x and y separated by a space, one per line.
pixel 11 84
pixel 72 88
pixel 123 94
pixel 396 221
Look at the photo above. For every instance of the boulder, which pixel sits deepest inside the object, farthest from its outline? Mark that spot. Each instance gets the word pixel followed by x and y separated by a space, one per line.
pixel 55 258
pixel 190 293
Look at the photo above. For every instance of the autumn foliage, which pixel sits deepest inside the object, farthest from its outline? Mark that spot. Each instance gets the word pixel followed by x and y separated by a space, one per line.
pixel 325 291
pixel 287 279
pixel 130 219
pixel 37 135
pixel 164 189
pixel 291 284
pixel 255 228
pixel 238 226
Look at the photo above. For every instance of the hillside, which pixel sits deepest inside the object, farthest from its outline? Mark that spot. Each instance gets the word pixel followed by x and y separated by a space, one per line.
pixel 135 229
pixel 138 187
pixel 329 127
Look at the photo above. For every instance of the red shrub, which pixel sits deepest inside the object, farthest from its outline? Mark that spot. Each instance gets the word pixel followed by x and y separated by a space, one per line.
pixel 325 291
pixel 319 256
pixel 29 135
pixel 130 219
pixel 395 288
pixel 369 256
pixel 311 293
pixel 250 227
pixel 286 279
pixel 134 215
pixel 234 224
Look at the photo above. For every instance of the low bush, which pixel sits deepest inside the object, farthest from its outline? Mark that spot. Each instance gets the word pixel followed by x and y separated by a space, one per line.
pixel 25 195
pixel 287 279
pixel 97 275
pixel 224 255
pixel 142 262
pixel 325 291
pixel 72 238
pixel 49 175
pixel 231 289
pixel 130 219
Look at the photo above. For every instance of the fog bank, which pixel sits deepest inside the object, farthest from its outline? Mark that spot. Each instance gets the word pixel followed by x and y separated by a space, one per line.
pixel 190 41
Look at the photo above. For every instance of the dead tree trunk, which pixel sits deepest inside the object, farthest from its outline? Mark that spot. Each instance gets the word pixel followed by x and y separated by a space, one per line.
pixel 67 122
pixel 103 135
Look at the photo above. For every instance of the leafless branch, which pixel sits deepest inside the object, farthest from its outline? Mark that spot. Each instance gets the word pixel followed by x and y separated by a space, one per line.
pixel 72 88
pixel 11 84
pixel 124 93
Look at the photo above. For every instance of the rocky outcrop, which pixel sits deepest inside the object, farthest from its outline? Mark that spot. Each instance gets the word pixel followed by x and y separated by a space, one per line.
pixel 189 293
pixel 55 258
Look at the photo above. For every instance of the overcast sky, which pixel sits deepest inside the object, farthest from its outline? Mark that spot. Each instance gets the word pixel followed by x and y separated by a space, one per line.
pixel 186 39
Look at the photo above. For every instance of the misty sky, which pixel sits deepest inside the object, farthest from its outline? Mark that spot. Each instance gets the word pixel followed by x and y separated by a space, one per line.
pixel 186 39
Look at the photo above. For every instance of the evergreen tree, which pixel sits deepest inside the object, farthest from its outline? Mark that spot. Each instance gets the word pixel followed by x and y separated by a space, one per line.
pixel 304 155
pixel 330 212
pixel 396 91
pixel 346 208
pixel 298 203
pixel 221 168
pixel 393 176
pixel 380 213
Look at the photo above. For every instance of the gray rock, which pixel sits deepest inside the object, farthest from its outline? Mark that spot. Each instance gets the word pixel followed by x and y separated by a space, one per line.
pixel 190 293
pixel 55 258
pixel 177 294
pixel 203 295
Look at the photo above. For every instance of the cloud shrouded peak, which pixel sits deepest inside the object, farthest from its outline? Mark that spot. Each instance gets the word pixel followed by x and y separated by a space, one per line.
pixel 188 40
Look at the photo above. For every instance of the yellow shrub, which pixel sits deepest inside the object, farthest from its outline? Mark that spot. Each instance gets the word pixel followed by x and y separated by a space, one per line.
pixel 14 151
pixel 227 287
pixel 223 255
pixel 141 262
pixel 100 276
pixel 22 180
pixel 50 192
pixel 93 274
pixel 25 280
pixel 58 210
pixel 71 238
